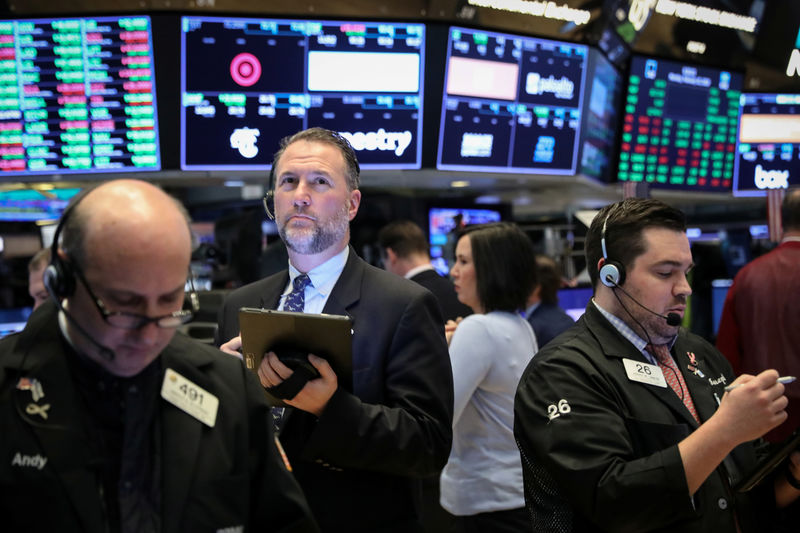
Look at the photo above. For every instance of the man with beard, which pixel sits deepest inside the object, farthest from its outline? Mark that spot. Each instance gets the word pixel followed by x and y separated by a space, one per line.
pixel 624 422
pixel 358 454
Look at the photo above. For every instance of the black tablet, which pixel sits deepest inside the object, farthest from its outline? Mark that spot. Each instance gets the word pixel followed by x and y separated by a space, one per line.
pixel 292 336
pixel 769 463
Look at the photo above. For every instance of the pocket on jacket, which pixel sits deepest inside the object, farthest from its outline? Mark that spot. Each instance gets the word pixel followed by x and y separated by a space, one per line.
pixel 648 437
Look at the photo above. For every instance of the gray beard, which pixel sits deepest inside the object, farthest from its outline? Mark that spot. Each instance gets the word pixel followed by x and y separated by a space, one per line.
pixel 322 236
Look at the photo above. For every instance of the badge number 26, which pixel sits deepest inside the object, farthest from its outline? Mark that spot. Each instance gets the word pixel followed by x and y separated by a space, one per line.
pixel 554 410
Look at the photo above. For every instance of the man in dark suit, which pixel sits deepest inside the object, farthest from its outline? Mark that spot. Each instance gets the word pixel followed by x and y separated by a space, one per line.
pixel 358 454
pixel 545 316
pixel 111 421
pixel 405 252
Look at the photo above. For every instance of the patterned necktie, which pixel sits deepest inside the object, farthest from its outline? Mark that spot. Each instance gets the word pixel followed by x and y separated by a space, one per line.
pixel 672 375
pixel 296 301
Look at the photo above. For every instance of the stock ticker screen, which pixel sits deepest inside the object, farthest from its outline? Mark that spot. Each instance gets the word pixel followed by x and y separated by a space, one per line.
pixel 247 83
pixel 679 125
pixel 768 152
pixel 77 95
pixel 511 103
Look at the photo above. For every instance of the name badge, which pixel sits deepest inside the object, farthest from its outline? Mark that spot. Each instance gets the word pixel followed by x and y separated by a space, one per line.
pixel 644 373
pixel 190 398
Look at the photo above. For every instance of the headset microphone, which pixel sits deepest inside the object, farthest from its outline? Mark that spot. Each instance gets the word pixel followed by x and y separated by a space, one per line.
pixel 673 319
pixel 105 352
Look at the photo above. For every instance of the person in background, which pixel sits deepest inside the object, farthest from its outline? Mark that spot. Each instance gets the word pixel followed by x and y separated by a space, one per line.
pixel 405 252
pixel 36 267
pixel 545 316
pixel 110 421
pixel 758 327
pixel 624 422
pixel 493 273
pixel 358 454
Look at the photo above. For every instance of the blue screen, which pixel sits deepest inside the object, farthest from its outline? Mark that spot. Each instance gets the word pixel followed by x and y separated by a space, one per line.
pixel 768 148
pixel 511 103
pixel 600 118
pixel 443 226
pixel 247 83
pixel 29 205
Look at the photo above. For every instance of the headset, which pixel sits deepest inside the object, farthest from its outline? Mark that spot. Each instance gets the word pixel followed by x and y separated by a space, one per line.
pixel 59 276
pixel 612 273
pixel 269 196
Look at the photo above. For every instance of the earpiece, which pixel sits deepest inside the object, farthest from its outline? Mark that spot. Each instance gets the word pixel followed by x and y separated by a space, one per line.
pixel 58 277
pixel 612 273
pixel 269 196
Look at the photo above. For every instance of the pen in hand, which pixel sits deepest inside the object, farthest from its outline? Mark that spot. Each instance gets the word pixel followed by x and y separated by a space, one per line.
pixel 782 379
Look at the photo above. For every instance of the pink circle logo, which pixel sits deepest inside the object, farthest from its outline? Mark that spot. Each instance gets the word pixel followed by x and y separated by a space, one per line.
pixel 245 69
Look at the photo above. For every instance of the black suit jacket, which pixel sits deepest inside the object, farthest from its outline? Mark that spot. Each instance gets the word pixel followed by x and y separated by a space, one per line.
pixel 358 461
pixel 600 450
pixel 212 478
pixel 548 321
pixel 442 289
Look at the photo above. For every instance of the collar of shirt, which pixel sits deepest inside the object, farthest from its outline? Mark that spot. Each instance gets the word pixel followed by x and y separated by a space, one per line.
pixel 790 239
pixel 417 269
pixel 323 278
pixel 629 334
pixel 529 310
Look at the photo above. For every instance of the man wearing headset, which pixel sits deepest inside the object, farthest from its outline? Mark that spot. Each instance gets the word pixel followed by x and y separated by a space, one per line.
pixel 112 422
pixel 624 423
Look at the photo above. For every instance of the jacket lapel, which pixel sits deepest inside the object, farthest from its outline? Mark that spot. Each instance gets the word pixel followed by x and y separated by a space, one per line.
pixel 56 418
pixel 703 397
pixel 616 346
pixel 347 290
pixel 272 290
pixel 180 437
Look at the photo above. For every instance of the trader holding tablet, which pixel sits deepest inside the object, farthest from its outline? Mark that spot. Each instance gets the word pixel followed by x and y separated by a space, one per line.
pixel 623 422
pixel 358 454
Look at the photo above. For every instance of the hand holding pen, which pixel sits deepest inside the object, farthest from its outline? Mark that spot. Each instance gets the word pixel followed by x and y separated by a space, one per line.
pixel 783 380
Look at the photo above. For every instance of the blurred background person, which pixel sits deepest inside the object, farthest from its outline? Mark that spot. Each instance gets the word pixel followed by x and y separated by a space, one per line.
pixel 545 316
pixel 758 327
pixel 494 272
pixel 405 252
pixel 36 268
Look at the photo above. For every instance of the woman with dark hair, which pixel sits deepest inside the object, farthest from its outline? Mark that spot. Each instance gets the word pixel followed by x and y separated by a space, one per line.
pixel 494 272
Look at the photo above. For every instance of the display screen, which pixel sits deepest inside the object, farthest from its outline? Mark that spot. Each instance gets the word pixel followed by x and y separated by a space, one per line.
pixel 511 103
pixel 444 223
pixel 247 83
pixel 679 126
pixel 768 152
pixel 77 95
pixel 28 205
pixel 600 118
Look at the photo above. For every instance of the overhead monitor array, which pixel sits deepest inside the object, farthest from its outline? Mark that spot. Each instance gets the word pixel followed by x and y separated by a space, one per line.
pixel 768 149
pixel 246 83
pixel 511 103
pixel 77 96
